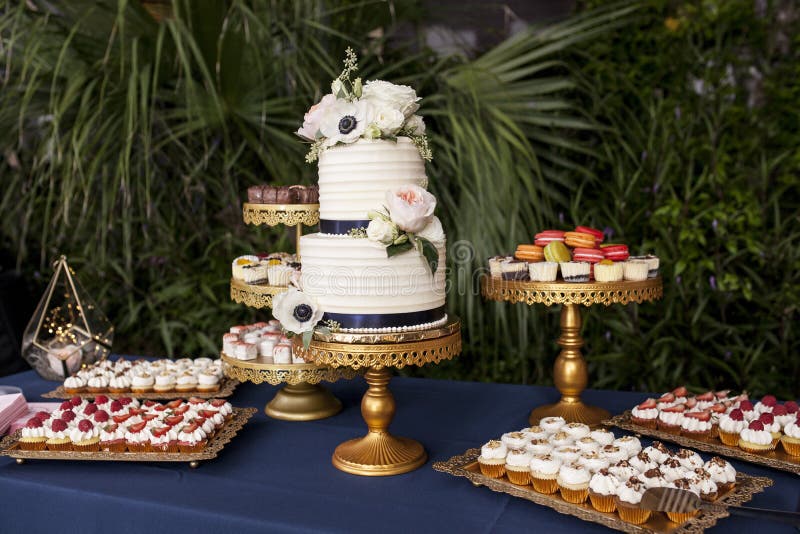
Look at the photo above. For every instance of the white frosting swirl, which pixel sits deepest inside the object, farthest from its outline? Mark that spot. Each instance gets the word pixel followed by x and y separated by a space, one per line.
pixel 538 447
pixel 187 379
pixel 576 430
pixel 194 437
pixel 74 382
pixel 602 436
pixel 604 483
pixel 77 435
pixel 138 437
pixel 98 381
pixel 207 379
pixel 119 382
pixel 518 458
pixel 690 424
pixel 165 379
pixel 566 454
pixel 630 493
pixel 731 426
pixel 792 430
pixel 37 432
pixel 720 470
pixel 514 440
pixel 646 413
pixel 552 424
pixel 573 474
pixel 630 444
pixel 117 434
pixel 759 437
pixel 164 439
pixel 545 465
pixel 143 380
pixel 671 418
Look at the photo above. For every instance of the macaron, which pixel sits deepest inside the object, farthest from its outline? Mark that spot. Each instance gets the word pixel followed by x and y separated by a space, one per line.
pixel 598 234
pixel 579 240
pixel 590 255
pixel 558 252
pixel 529 253
pixel 548 236
pixel 615 252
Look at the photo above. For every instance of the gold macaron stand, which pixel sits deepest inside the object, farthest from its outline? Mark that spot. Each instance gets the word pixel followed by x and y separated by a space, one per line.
pixel 569 373
pixel 379 453
pixel 301 398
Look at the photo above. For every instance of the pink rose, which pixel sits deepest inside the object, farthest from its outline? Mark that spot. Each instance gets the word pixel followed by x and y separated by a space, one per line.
pixel 312 119
pixel 410 207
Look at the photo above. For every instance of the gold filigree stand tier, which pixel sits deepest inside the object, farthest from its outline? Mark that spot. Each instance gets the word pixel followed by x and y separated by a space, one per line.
pixel 302 398
pixel 287 214
pixel 569 372
pixel 379 453
pixel 254 296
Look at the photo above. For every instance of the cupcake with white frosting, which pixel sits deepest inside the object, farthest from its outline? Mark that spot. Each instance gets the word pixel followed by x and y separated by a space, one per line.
pixel 119 383
pixel 539 447
pixel 552 424
pixel 544 472
pixel 165 381
pixel 492 460
pixel 602 436
pixel 642 462
pixel 603 491
pixel 623 470
pixel 518 468
pixel 33 436
pixel 573 482
pixel 614 453
pixel 587 444
pixel 142 383
pixel 97 383
pixel 186 382
pixel 207 382
pixel 561 439
pixel 593 461
pixel 722 473
pixel 791 438
pixel 629 499
pixel 576 431
pixel 706 487
pixel 535 432
pixel 685 485
pixel 630 444
pixel 74 384
pixel 566 454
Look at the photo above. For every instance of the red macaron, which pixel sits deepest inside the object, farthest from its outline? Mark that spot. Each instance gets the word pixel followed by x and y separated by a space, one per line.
pixel 591 255
pixel 548 236
pixel 598 234
pixel 616 252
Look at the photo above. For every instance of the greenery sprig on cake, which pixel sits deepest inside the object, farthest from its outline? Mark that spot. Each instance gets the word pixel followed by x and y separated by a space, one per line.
pixel 351 111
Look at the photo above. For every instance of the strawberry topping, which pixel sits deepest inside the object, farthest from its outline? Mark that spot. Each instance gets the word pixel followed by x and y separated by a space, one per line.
pixel 702 416
pixel 196 400
pixel 722 394
pixel 791 406
pixel 666 397
pixel 158 432
pixel 58 425
pixel 718 408
pixel 42 416
pixel 736 415
pixel 173 420
pixel 680 391
pixel 216 403
pixel 149 403
pixel 706 397
pixel 678 408
pixel 66 405
pixel 191 427
pixel 174 404
pixel 116 406
pixel 182 409
pixel 212 413
pixel 85 425
pixel 125 400
pixel 755 425
pixel 111 428
pixel 138 427
pixel 691 402
pixel 149 416
pixel 121 418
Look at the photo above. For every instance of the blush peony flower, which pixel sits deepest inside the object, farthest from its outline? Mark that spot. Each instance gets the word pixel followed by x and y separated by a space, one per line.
pixel 410 207
pixel 312 119
pixel 296 311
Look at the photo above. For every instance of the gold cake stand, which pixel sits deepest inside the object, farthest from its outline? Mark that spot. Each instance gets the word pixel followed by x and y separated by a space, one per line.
pixel 287 214
pixel 569 372
pixel 254 296
pixel 379 453
pixel 302 398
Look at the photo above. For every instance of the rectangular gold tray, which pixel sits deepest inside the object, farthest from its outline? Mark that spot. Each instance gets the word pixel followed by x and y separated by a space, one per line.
pixel 777 459
pixel 10 447
pixel 466 466
pixel 226 387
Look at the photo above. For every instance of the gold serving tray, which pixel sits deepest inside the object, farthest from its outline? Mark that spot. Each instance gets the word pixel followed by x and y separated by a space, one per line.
pixel 258 371
pixel 466 466
pixel 10 447
pixel 226 387
pixel 254 295
pixel 561 292
pixel 450 326
pixel 275 214
pixel 777 459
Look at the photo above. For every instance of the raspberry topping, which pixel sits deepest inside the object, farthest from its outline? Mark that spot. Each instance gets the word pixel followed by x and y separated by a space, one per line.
pixel 58 425
pixel 736 415
pixel 767 418
pixel 75 401
pixel 769 400
pixel 780 409
pixel 746 406
pixel 42 416
pixel 33 422
pixel 101 416
pixel 755 425
pixel 90 409
pixel 791 406
pixel 85 425
pixel 124 400
pixel 100 399
pixel 115 406
pixel 66 405
pixel 68 416
pixel 149 403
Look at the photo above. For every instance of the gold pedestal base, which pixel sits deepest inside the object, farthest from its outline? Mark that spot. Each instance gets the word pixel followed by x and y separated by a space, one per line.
pixel 574 412
pixel 303 402
pixel 379 454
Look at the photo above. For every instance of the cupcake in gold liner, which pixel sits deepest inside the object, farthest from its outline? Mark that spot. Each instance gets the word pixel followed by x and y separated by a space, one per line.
pixel 629 499
pixel 492 460
pixel 544 473
pixel 705 486
pixel 755 439
pixel 791 438
pixel 730 426
pixel 682 517
pixel 603 491
pixel 722 473
pixel 33 436
pixel 573 482
pixel 518 467
pixel 85 437
pixel 74 385
pixel 58 436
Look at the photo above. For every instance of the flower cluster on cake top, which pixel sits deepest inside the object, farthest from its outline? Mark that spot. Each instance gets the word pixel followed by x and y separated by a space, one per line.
pixel 351 111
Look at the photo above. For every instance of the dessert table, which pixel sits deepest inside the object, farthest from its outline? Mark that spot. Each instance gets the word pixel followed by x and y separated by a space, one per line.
pixel 277 475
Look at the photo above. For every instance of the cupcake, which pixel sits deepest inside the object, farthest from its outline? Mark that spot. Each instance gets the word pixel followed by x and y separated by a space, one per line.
pixel 238 265
pixel 538 447
pixel 655 454
pixel 755 439
pixel 97 384
pixel 791 438
pixel 535 432
pixel 653 478
pixel 645 414
pixel 137 438
pixel 672 469
pixel 642 461
pixel 119 384
pixel 58 436
pixel 730 426
pixel 613 453
pixel 587 444
pixel 566 454
pixel 518 467
pixel 705 485
pixel 142 383
pixel 593 461
pixel 543 271
pixel 766 404
pixel 782 415
pixel 186 382
pixel 279 275
pixel 629 444
pixel 163 439
pixel 544 473
pixel 514 440
pixel 747 409
pixel 635 271
pixel 722 473
pixel 576 430
pixel 74 384
pixel 661 448
pixel 670 419
pixel 602 436
pixel 603 491
pixel 682 517
pixel 629 498
pixel 492 460
pixel 623 470
pixel 207 382
pixel 552 424
pixel 32 436
pixel 561 439
pixel 573 482
pixel 575 271
pixel 85 437
pixel 608 271
pixel 689 459
pixel 514 270
pixel 771 426
pixel 696 424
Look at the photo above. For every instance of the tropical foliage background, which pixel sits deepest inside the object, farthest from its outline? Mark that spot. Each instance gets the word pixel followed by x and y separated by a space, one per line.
pixel 127 144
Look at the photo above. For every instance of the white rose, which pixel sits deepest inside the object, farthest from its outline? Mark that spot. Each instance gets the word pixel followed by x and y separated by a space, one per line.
pixel 345 122
pixel 382 231
pixel 372 132
pixel 389 120
pixel 386 94
pixel 410 207
pixel 313 117
pixel 433 232
pixel 415 125
pixel 296 311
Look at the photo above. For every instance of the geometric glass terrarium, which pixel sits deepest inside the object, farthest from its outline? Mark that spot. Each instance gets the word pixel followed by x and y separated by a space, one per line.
pixel 67 329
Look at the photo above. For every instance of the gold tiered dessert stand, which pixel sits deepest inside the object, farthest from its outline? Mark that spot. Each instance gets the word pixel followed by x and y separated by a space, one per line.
pixel 301 398
pixel 379 453
pixel 569 373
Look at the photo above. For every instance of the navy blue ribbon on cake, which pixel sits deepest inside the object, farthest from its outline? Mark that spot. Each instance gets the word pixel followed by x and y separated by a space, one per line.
pixel 329 226
pixel 385 320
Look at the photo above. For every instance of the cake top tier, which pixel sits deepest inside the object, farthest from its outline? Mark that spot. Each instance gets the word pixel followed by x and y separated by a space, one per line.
pixel 351 112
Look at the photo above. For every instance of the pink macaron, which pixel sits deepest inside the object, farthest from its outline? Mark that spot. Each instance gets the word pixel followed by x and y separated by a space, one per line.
pixel 591 255
pixel 548 236
pixel 598 234
pixel 616 252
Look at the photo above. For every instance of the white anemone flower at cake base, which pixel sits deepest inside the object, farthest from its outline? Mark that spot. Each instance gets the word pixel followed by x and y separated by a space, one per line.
pixel 297 312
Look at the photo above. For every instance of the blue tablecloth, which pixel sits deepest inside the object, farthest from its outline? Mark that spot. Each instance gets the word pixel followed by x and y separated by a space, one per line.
pixel 277 476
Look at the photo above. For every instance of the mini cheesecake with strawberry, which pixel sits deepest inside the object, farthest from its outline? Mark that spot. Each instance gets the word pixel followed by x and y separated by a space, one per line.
pixel 646 414
pixel 697 424
pixel 670 419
